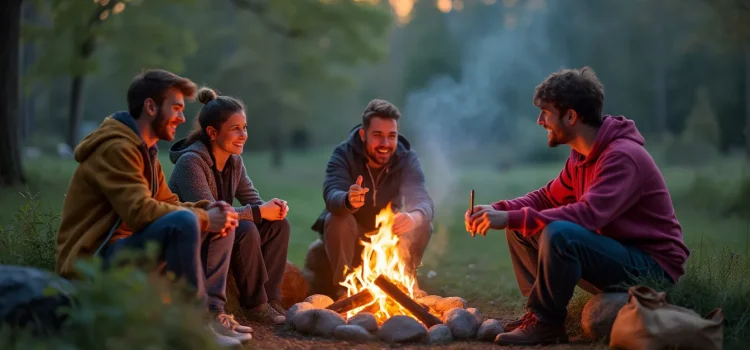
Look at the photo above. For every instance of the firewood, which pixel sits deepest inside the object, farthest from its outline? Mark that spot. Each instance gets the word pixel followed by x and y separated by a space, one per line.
pixel 404 300
pixel 360 299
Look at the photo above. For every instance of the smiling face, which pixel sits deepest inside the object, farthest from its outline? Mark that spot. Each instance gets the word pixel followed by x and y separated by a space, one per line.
pixel 559 131
pixel 380 140
pixel 169 115
pixel 231 135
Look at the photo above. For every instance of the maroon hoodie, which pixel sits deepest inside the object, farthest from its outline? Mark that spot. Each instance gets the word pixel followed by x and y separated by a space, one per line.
pixel 617 191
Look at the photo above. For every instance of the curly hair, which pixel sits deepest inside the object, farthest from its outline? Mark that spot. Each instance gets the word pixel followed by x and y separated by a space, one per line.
pixel 576 89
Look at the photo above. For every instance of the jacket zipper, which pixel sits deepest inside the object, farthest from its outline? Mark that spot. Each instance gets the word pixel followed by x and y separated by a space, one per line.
pixel 375 184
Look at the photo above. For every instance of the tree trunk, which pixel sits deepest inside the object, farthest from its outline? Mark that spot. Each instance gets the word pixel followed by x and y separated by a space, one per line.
pixel 11 168
pixel 76 99
pixel 747 99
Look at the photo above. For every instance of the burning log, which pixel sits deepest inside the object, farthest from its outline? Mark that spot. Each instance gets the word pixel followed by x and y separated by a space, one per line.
pixel 360 299
pixel 404 300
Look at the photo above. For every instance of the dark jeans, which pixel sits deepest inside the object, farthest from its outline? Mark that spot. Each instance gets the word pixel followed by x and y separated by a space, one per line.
pixel 259 260
pixel 341 236
pixel 549 265
pixel 202 259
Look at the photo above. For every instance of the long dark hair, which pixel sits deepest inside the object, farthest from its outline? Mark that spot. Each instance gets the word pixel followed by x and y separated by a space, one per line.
pixel 215 112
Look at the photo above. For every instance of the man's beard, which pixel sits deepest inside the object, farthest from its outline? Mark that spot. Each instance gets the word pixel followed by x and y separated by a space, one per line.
pixel 375 157
pixel 558 137
pixel 159 125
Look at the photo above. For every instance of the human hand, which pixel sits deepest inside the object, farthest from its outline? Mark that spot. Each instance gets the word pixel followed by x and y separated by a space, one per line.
pixel 485 217
pixel 273 210
pixel 221 218
pixel 403 222
pixel 356 194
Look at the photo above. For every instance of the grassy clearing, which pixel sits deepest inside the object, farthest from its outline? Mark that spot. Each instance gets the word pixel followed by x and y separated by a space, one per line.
pixel 477 269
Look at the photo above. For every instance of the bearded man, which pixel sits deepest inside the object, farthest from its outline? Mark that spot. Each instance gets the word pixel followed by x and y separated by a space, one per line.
pixel 604 222
pixel 118 200
pixel 374 167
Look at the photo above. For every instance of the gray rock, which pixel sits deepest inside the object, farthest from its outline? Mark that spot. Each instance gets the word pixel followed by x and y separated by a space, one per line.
pixel 319 301
pixel 463 325
pixel 599 314
pixel 489 330
pixel 352 333
pixel 429 300
pixel 402 329
pixel 320 322
pixel 25 301
pixel 365 320
pixel 446 304
pixel 439 334
pixel 477 314
pixel 295 309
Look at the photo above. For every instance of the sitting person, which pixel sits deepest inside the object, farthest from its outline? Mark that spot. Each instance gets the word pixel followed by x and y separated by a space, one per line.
pixel 118 199
pixel 604 221
pixel 208 166
pixel 373 167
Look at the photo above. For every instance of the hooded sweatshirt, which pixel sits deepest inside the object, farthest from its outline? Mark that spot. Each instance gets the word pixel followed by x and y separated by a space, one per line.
pixel 616 191
pixel 194 178
pixel 117 189
pixel 401 183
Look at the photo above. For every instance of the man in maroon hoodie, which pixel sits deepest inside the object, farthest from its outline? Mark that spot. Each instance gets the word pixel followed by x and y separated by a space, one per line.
pixel 606 218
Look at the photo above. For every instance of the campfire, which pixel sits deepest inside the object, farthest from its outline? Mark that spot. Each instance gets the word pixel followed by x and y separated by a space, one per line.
pixel 381 302
pixel 380 284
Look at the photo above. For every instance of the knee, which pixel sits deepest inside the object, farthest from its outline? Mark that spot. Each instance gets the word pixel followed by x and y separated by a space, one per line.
pixel 246 232
pixel 186 225
pixel 336 225
pixel 282 226
pixel 558 234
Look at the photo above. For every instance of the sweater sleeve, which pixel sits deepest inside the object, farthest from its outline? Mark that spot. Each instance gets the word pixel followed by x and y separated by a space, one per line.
pixel 248 196
pixel 557 192
pixel 336 184
pixel 615 188
pixel 414 190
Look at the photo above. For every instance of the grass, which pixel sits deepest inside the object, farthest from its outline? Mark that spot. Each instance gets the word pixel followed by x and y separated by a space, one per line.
pixel 477 269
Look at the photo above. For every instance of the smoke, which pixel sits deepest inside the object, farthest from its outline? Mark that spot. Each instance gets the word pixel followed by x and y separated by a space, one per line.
pixel 486 115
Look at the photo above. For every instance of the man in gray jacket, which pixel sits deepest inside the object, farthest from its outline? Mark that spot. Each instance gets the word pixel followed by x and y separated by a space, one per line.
pixel 375 166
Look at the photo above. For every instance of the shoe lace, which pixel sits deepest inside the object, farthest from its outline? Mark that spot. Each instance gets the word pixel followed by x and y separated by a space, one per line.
pixel 528 320
pixel 227 321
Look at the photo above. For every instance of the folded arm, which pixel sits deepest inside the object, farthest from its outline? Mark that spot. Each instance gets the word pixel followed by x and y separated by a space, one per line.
pixel 414 189
pixel 336 184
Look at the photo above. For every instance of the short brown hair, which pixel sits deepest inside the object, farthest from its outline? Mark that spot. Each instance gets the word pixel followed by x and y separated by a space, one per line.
pixel 576 89
pixel 154 83
pixel 381 109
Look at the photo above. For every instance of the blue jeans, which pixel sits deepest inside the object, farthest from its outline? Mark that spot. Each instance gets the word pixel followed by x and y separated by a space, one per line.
pixel 201 259
pixel 549 265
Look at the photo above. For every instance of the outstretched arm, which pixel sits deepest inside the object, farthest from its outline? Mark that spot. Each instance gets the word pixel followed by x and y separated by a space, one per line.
pixel 557 192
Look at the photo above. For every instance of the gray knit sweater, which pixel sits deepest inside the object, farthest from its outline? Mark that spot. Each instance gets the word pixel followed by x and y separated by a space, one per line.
pixel 193 179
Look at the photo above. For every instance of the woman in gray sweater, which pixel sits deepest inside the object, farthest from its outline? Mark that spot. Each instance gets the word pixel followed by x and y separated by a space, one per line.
pixel 208 166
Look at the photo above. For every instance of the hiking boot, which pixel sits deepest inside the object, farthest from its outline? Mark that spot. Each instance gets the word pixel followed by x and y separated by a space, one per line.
pixel 223 340
pixel 265 313
pixel 225 325
pixel 276 305
pixel 510 326
pixel 533 331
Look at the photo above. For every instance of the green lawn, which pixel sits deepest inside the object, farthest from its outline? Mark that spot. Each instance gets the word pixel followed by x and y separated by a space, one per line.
pixel 477 269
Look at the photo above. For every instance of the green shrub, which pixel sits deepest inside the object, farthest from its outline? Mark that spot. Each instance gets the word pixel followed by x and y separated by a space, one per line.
pixel 124 308
pixel 702 125
pixel 30 239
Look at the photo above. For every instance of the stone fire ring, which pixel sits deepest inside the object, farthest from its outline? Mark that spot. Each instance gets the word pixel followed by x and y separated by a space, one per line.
pixel 311 318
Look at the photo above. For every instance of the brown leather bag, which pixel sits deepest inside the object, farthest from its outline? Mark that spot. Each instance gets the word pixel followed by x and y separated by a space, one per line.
pixel 648 322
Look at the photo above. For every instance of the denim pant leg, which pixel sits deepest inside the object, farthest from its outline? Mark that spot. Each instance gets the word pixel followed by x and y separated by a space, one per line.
pixel 216 252
pixel 259 260
pixel 549 265
pixel 178 234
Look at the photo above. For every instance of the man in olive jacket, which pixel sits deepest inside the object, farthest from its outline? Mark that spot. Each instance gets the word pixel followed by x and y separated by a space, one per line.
pixel 374 167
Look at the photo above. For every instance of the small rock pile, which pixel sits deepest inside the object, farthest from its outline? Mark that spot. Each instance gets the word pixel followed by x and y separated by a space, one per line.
pixel 311 317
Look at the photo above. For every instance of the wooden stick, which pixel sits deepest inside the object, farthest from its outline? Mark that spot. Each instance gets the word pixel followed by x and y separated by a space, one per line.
pixel 360 299
pixel 471 207
pixel 404 300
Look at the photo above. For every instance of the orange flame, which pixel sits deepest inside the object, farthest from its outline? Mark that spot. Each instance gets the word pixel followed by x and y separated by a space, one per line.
pixel 380 257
